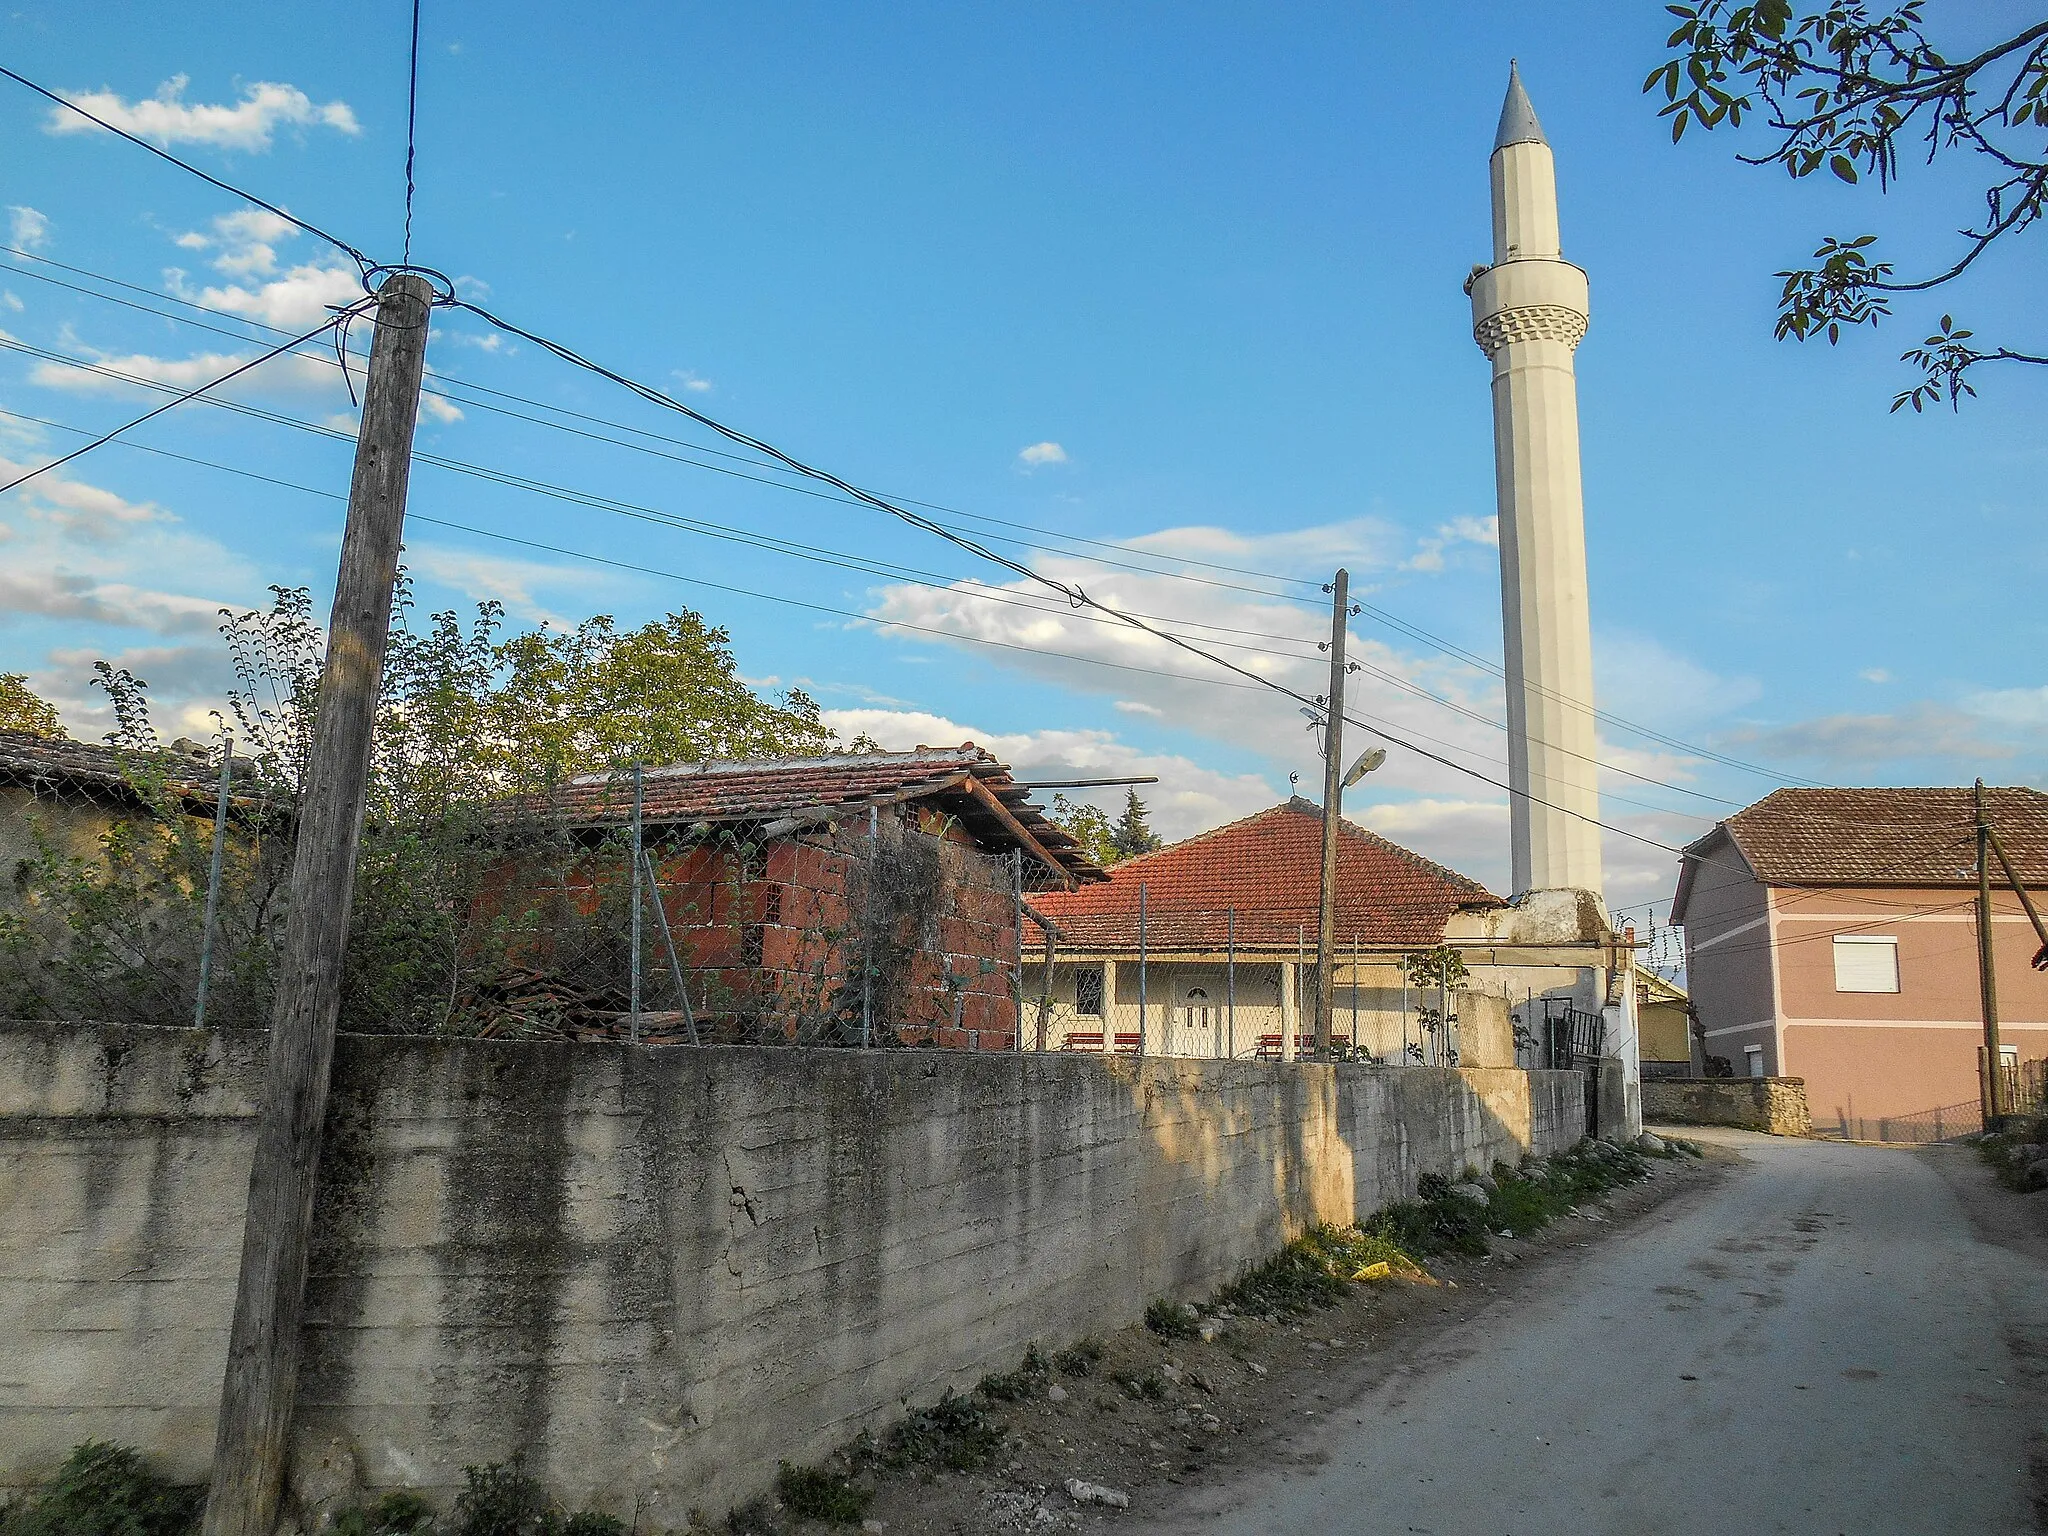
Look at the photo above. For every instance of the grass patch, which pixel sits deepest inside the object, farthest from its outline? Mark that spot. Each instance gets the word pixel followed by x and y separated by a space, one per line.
pixel 2019 1154
pixel 814 1495
pixel 1171 1320
pixel 105 1490
pixel 396 1514
pixel 954 1432
pixel 1146 1388
pixel 1314 1270
pixel 1078 1360
pixel 1020 1385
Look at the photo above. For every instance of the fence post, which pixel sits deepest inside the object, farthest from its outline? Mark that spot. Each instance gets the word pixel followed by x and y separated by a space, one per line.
pixel 220 843
pixel 260 1384
pixel 633 1016
pixel 1017 904
pixel 1230 975
pixel 675 964
pixel 1045 993
pixel 1354 994
pixel 1141 968
pixel 867 930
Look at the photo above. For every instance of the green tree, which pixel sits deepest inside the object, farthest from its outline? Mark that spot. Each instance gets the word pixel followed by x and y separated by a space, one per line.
pixel 22 709
pixel 668 692
pixel 1087 825
pixel 1133 833
pixel 1842 87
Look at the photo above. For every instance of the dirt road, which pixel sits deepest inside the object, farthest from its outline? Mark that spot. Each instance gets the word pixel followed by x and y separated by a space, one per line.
pixel 1834 1339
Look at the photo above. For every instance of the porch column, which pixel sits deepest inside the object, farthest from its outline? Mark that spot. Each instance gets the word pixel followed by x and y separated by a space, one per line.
pixel 1290 1012
pixel 1108 1007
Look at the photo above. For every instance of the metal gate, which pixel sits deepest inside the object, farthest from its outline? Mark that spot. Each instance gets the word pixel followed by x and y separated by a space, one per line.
pixel 1574 1041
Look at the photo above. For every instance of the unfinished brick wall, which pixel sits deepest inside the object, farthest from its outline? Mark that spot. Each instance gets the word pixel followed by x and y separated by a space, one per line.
pixel 794 936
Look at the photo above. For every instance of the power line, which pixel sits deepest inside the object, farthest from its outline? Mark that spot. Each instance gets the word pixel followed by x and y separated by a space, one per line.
pixel 352 253
pixel 860 497
pixel 1385 617
pixel 482 405
pixel 412 118
pixel 190 394
pixel 1129 620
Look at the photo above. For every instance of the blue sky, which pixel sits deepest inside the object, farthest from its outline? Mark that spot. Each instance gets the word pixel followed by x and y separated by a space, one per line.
pixel 1213 256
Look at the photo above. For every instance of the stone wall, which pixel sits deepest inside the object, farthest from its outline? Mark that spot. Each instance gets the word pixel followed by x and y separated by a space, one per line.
pixel 655 1271
pixel 1773 1104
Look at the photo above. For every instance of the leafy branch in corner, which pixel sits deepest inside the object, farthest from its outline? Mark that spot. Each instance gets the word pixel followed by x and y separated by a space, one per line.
pixel 1842 89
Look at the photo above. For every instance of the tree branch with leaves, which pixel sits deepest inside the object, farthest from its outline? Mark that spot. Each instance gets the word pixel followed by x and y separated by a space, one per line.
pixel 1844 89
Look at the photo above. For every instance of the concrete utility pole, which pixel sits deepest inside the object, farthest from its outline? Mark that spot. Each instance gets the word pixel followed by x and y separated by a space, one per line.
pixel 1995 1107
pixel 1333 806
pixel 263 1349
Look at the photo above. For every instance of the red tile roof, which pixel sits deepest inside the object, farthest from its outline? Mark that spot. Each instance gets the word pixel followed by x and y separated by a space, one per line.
pixel 1884 836
pixel 1268 868
pixel 770 790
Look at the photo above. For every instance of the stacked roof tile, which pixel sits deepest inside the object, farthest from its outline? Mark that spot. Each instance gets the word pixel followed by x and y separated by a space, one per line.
pixel 1268 870
pixel 1883 836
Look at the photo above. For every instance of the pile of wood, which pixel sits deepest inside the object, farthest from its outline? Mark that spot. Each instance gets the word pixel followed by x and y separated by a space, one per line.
pixel 535 1002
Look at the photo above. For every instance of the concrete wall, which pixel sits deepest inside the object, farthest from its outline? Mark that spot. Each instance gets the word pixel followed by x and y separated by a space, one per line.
pixel 1773 1104
pixel 655 1271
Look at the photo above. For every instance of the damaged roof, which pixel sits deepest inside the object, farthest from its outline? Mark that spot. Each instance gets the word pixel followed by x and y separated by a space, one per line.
pixel 784 794
pixel 1268 869
pixel 53 764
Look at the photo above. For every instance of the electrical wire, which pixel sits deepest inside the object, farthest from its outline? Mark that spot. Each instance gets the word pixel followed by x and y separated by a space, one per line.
pixel 1066 590
pixel 412 118
pixel 190 394
pixel 361 261
pixel 1130 620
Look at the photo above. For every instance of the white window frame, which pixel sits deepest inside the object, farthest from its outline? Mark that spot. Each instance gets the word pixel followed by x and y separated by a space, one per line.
pixel 1863 949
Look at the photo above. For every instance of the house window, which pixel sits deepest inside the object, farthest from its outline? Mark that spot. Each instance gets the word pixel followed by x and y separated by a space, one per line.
pixel 1753 1056
pixel 753 943
pixel 1088 992
pixel 1864 963
pixel 771 906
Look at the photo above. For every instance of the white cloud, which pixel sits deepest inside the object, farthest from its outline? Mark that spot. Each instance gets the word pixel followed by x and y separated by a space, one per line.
pixel 1857 743
pixel 294 372
pixel 691 382
pixel 243 248
pixel 512 582
pixel 2023 707
pixel 1875 675
pixel 1140 707
pixel 1189 797
pixel 7 297
pixel 26 228
pixel 1430 550
pixel 439 408
pixel 483 341
pixel 1040 454
pixel 167 118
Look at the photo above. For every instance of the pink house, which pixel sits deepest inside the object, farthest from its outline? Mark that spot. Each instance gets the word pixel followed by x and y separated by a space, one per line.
pixel 1830 935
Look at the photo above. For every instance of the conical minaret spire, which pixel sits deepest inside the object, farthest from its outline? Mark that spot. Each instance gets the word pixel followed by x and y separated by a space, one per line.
pixel 1529 312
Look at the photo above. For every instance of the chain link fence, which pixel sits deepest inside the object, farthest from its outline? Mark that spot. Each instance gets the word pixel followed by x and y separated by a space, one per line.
pixel 151 886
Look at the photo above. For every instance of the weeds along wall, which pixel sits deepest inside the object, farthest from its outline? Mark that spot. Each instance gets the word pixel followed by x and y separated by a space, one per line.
pixel 655 1271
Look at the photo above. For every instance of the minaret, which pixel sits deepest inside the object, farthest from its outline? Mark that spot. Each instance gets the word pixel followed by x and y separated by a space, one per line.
pixel 1529 312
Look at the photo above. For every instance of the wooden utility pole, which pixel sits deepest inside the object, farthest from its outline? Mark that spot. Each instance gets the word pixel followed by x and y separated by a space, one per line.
pixel 1995 1107
pixel 252 1439
pixel 1333 806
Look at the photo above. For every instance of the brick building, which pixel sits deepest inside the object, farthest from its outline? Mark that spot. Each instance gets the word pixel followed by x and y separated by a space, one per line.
pixel 826 898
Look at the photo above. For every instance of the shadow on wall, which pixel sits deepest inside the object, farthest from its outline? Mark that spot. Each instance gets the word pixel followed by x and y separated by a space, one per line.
pixel 654 1272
